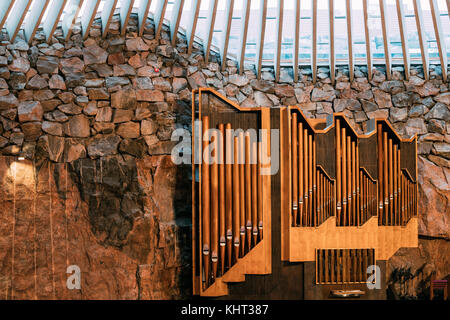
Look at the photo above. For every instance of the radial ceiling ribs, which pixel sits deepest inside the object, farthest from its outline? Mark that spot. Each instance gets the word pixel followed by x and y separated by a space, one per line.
pixel 126 6
pixel 192 26
pixel 223 49
pixel 88 16
pixel 107 14
pixel 246 4
pixel 296 38
pixel 54 15
pixel 367 34
pixel 158 17
pixel 387 49
pixel 403 35
pixel 440 39
pixel 143 9
pixel 261 32
pixel 314 41
pixel 5 9
pixel 34 19
pixel 350 39
pixel 332 54
pixel 175 20
pixel 422 37
pixel 15 18
pixel 278 39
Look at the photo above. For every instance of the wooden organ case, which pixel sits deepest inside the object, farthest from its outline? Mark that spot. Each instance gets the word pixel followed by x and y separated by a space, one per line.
pixel 231 195
pixel 339 203
pixel 349 201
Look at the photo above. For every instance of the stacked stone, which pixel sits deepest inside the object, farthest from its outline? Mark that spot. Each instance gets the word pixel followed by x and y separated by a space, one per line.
pixel 101 97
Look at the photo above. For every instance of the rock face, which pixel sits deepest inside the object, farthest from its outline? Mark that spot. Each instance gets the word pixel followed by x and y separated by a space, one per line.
pixel 116 237
pixel 410 270
pixel 434 203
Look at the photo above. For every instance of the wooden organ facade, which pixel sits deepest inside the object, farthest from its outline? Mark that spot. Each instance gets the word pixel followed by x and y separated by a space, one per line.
pixel 338 202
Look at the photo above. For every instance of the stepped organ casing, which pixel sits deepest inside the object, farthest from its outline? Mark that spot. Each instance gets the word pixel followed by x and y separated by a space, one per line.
pixel 340 201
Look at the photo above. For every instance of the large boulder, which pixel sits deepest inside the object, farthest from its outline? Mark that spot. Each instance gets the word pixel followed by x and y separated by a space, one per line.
pixel 434 199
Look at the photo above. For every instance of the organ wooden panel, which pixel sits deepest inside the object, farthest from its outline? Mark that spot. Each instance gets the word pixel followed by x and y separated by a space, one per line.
pixel 231 193
pixel 369 179
pixel 347 200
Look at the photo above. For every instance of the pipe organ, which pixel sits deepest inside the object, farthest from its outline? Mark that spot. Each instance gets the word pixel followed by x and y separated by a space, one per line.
pixel 340 200
pixel 230 193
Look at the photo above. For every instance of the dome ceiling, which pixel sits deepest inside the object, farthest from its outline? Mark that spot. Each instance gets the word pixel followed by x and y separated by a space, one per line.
pixel 260 33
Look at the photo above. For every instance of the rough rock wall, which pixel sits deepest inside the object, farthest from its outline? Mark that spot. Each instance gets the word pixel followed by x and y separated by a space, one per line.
pixel 116 101
pixel 105 216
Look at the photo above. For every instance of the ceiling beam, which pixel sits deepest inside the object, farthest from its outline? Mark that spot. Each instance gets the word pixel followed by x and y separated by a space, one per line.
pixel 88 16
pixel 31 24
pixel 16 17
pixel 5 9
pixel 278 39
pixel 210 23
pixel 387 48
pixel 351 63
pixel 440 39
pixel 52 19
pixel 246 4
pixel 229 6
pixel 260 40
pixel 70 18
pixel 158 17
pixel 367 34
pixel 143 10
pixel 332 52
pixel 422 38
pixel 314 41
pixel 296 39
pixel 175 20
pixel 403 36
pixel 126 6
pixel 192 25
pixel 107 14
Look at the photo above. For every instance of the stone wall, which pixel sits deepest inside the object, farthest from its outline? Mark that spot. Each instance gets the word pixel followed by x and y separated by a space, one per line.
pixel 117 100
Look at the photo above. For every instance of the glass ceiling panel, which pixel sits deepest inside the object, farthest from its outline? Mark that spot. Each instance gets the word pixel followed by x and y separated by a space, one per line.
pixel 287 43
pixel 358 33
pixel 253 35
pixel 394 31
pixel 340 27
pixel 445 22
pixel 323 32
pixel 412 33
pixel 305 50
pixel 235 31
pixel 376 32
pixel 429 32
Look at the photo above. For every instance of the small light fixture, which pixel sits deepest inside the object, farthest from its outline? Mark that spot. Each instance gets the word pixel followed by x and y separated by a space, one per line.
pixel 21 157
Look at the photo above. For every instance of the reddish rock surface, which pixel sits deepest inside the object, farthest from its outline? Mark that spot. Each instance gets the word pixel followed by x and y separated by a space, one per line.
pixel 434 199
pixel 61 220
